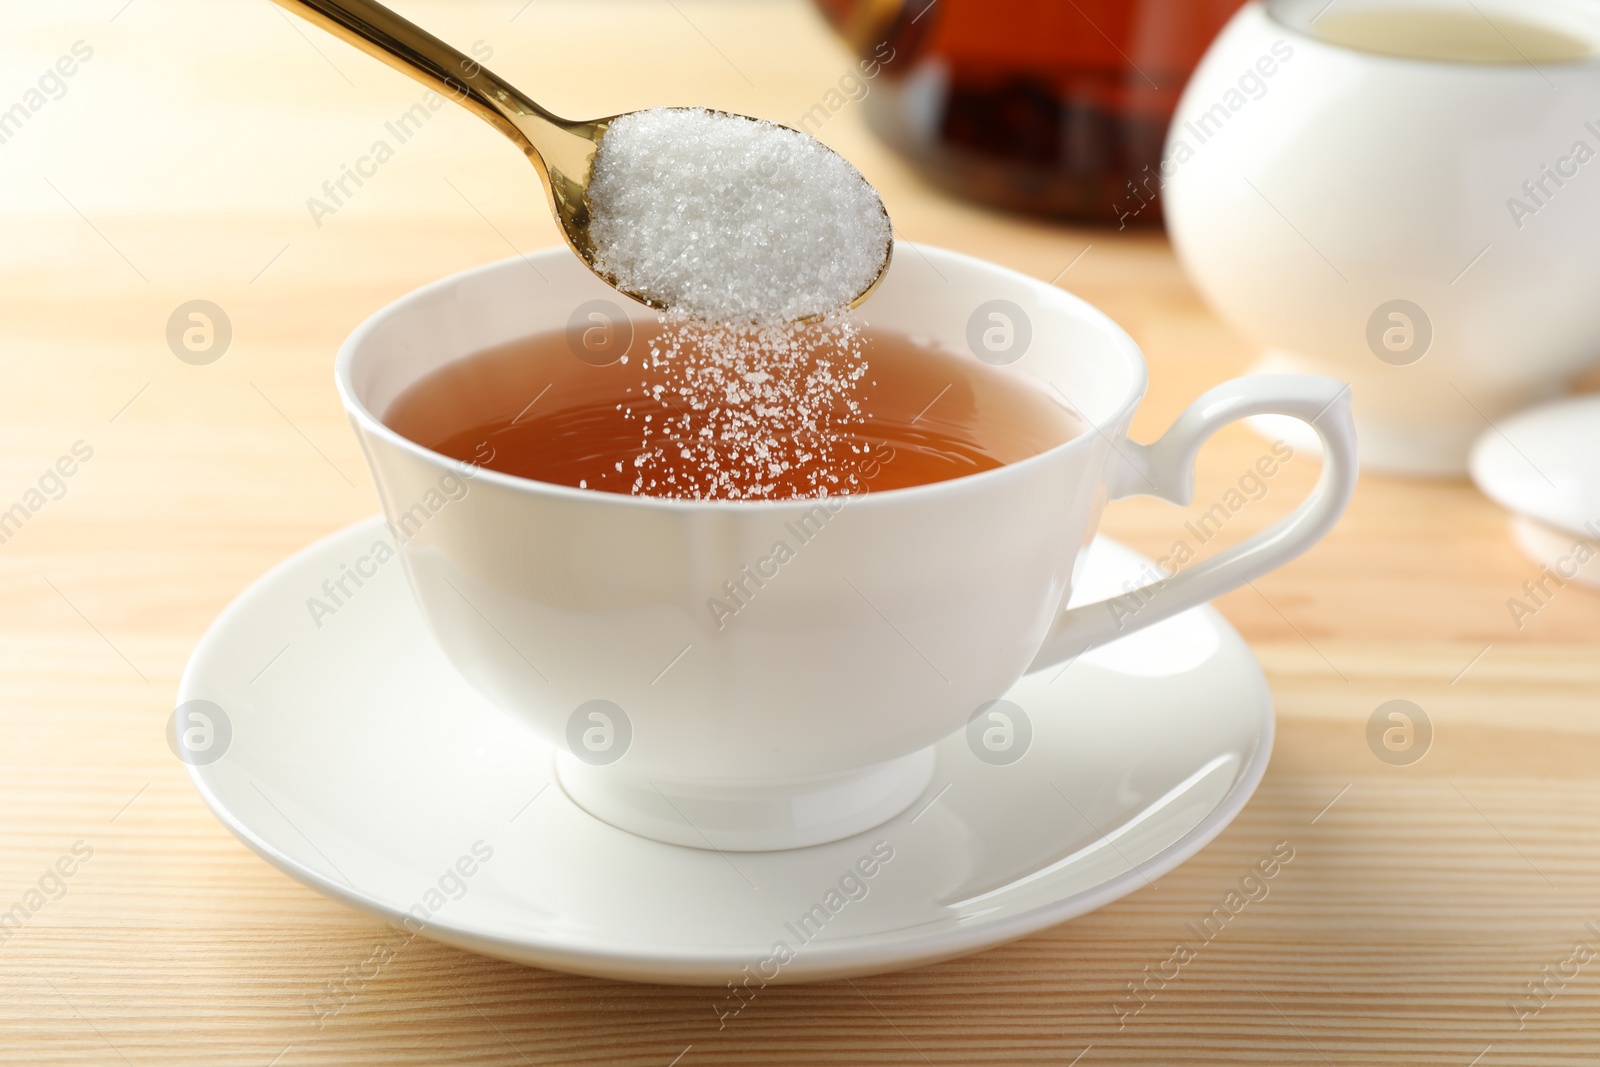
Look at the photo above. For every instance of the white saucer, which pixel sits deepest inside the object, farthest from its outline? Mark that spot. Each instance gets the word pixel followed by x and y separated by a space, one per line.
pixel 356 760
pixel 1544 463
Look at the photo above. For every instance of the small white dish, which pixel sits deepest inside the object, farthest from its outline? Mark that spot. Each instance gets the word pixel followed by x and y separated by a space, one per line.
pixel 352 756
pixel 1572 557
pixel 1543 465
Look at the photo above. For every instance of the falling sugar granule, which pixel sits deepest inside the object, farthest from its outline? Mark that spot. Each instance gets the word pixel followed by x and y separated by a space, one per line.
pixel 732 220
pixel 754 413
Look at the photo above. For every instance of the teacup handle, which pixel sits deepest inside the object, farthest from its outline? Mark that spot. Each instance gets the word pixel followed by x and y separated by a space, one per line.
pixel 1165 469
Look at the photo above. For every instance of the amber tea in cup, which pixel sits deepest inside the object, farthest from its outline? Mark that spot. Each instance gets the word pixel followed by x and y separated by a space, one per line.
pixel 883 411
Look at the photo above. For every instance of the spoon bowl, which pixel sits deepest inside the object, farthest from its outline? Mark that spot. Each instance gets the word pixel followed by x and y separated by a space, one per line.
pixel 562 150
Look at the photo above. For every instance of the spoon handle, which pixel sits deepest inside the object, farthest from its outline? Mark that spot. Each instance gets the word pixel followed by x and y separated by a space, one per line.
pixel 409 48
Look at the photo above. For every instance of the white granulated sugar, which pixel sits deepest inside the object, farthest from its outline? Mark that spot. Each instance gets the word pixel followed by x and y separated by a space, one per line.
pixel 730 219
pixel 751 414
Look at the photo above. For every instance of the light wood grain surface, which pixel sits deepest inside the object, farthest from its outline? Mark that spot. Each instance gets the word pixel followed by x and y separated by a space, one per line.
pixel 176 165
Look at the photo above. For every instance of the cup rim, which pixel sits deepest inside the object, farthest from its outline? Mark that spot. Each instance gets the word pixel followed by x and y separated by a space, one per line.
pixel 1273 11
pixel 1106 427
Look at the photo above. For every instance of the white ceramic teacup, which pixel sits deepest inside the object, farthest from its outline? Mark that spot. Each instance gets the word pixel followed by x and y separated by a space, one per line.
pixel 808 714
pixel 1422 229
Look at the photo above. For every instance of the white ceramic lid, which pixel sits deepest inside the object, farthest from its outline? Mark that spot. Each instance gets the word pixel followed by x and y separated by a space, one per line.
pixel 1545 463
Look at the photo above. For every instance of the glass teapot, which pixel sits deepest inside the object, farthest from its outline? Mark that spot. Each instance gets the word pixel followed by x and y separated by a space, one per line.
pixel 1050 107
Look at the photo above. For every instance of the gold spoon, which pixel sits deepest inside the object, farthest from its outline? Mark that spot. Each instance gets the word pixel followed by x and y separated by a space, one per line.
pixel 562 150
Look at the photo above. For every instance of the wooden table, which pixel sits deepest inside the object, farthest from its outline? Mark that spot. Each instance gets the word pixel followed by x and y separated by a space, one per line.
pixel 177 164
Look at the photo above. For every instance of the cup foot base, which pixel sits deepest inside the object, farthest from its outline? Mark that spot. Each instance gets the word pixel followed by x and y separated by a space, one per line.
pixel 747 816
